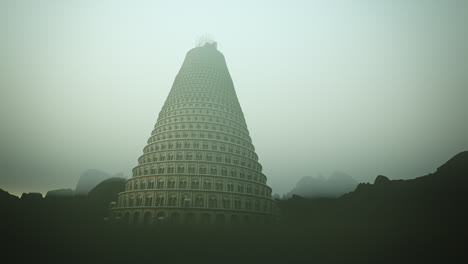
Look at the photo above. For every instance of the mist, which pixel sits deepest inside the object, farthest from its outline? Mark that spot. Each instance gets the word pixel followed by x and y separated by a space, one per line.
pixel 364 87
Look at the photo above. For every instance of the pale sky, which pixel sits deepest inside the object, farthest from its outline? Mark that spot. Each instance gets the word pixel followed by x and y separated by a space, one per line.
pixel 364 87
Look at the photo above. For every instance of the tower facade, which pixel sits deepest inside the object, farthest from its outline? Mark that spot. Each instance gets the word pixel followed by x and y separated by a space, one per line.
pixel 199 165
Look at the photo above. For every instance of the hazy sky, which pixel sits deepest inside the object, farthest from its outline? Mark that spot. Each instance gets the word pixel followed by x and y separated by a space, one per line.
pixel 364 87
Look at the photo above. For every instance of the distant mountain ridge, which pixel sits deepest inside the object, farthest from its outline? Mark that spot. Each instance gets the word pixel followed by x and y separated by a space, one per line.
pixel 91 178
pixel 334 186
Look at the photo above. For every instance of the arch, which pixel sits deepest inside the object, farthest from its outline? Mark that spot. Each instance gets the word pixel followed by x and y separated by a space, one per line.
pixel 220 219
pixel 136 218
pixel 234 219
pixel 199 201
pixel 190 218
pixel 206 218
pixel 175 218
pixel 160 217
pixel 126 218
pixel 147 218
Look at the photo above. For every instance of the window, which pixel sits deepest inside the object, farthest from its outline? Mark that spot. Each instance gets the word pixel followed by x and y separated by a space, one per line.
pixel 202 169
pixel 207 185
pixel 191 169
pixel 199 201
pixel 181 169
pixel 237 203
pixel 183 184
pixel 213 202
pixel 226 203
pixel 223 171
pixel 213 171
pixel 149 201
pixel 188 156
pixel 195 184
pixel 170 169
pixel 171 184
pixel 160 184
pixel 230 187
pixel 219 186
pixel 172 201
pixel 248 204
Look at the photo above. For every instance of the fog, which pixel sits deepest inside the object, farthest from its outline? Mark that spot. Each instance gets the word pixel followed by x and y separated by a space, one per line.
pixel 363 87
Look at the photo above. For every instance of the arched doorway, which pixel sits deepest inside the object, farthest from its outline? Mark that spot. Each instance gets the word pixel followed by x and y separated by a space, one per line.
pixel 206 219
pixel 126 219
pixel 160 217
pixel 190 218
pixel 136 218
pixel 220 219
pixel 234 219
pixel 147 219
pixel 175 218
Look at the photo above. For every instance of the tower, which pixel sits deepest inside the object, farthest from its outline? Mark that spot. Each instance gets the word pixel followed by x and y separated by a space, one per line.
pixel 199 165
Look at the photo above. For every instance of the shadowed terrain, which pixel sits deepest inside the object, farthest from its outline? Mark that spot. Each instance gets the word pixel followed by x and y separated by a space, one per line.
pixel 409 221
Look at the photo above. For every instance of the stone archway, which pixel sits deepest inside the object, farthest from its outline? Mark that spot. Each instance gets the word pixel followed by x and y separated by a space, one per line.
pixel 160 217
pixel 136 218
pixel 126 219
pixel 206 219
pixel 175 218
pixel 147 218
pixel 190 218
pixel 220 219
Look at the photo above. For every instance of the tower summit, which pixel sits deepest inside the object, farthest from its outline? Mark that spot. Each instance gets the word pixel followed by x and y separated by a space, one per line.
pixel 199 165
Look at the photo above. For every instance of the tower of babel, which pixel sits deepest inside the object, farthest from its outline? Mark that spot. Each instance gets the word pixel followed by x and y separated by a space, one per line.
pixel 199 165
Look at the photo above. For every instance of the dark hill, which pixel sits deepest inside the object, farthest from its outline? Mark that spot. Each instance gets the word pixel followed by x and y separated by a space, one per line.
pixel 60 193
pixel 90 179
pixel 106 192
pixel 336 185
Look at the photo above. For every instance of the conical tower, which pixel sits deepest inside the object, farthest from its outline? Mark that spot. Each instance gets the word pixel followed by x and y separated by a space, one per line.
pixel 199 165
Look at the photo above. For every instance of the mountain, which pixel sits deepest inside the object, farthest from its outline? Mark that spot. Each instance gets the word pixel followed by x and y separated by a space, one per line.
pixel 448 183
pixel 60 193
pixel 106 192
pixel 337 184
pixel 90 178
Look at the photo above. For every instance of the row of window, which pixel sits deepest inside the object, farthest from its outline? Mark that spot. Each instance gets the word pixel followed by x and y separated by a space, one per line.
pixel 219 103
pixel 212 201
pixel 199 156
pixel 183 122
pixel 191 218
pixel 205 145
pixel 201 169
pixel 194 95
pixel 197 183
pixel 201 135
